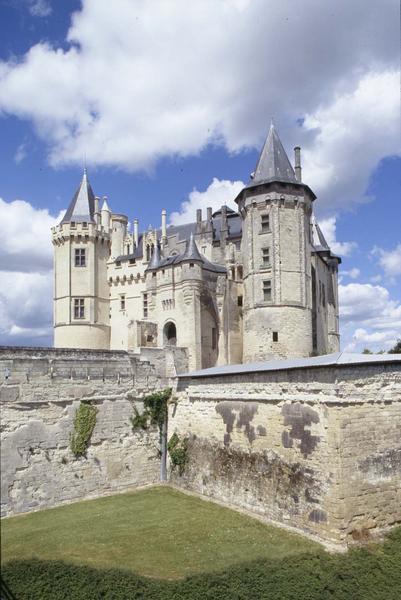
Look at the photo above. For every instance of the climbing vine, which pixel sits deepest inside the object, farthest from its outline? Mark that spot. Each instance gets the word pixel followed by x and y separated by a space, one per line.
pixel 154 411
pixel 178 451
pixel 84 423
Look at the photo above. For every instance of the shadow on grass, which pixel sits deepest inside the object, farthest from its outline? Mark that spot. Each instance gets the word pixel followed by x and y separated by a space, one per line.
pixel 360 574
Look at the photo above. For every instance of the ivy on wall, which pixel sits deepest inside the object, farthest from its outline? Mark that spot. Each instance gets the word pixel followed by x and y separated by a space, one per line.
pixel 178 451
pixel 84 423
pixel 154 411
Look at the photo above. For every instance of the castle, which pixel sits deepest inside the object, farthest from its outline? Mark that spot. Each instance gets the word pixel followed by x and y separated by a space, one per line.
pixel 231 287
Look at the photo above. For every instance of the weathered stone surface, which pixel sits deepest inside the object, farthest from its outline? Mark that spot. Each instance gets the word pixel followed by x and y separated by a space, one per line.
pixel 317 449
pixel 37 466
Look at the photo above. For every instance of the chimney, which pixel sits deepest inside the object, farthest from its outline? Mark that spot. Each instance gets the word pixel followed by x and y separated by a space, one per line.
pixel 298 168
pixel 96 214
pixel 224 226
pixel 136 222
pixel 199 220
pixel 164 227
pixel 209 220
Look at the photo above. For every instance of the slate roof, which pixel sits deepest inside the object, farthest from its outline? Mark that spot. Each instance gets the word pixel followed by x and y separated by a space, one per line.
pixel 338 358
pixel 273 163
pixel 82 206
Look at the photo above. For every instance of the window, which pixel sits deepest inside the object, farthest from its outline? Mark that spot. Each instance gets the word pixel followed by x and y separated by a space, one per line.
pixel 214 338
pixel 267 290
pixel 118 263
pixel 79 308
pixel 122 302
pixel 275 336
pixel 84 225
pixel 239 272
pixel 265 257
pixel 239 301
pixel 145 305
pixel 72 224
pixel 265 223
pixel 191 265
pixel 80 257
pixel 132 261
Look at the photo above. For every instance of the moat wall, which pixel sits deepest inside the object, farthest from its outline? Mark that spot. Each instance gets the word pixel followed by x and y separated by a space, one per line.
pixel 318 449
pixel 40 390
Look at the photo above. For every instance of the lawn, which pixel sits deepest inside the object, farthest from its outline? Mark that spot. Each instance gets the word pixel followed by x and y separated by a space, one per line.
pixel 160 543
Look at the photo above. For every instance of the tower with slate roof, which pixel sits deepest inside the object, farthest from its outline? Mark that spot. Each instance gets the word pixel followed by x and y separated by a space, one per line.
pixel 280 313
pixel 82 243
pixel 229 287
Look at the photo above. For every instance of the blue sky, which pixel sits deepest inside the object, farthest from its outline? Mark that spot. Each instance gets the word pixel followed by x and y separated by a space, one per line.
pixel 170 103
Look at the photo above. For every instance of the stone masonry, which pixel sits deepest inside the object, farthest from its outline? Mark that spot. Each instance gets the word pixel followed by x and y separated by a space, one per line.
pixel 318 449
pixel 40 391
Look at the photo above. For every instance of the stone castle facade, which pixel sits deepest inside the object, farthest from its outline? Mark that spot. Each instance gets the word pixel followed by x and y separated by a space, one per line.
pixel 231 287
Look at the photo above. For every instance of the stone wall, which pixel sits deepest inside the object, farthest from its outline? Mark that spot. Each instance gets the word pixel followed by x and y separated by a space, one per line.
pixel 318 449
pixel 40 390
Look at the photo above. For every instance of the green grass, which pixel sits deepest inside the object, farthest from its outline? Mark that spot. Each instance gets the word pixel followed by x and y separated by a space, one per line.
pixel 160 544
pixel 157 532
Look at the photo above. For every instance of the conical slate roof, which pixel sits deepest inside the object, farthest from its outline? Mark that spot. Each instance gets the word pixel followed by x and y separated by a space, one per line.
pixel 155 259
pixel 191 252
pixel 319 241
pixel 82 206
pixel 273 163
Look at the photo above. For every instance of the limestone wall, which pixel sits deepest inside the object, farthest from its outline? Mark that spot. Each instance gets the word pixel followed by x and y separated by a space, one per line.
pixel 40 390
pixel 318 449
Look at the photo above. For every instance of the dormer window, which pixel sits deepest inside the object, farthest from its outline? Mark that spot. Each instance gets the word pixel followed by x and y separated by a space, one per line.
pixel 118 263
pixel 72 224
pixel 80 257
pixel 85 225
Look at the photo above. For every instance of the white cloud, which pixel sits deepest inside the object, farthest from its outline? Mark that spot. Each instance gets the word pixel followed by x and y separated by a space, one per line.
pixel 26 275
pixel 217 194
pixel 20 153
pixel 328 227
pixel 25 237
pixel 40 8
pixel 368 316
pixel 352 273
pixel 351 135
pixel 153 79
pixel 389 260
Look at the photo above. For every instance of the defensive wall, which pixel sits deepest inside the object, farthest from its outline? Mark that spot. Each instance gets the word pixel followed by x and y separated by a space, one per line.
pixel 40 390
pixel 312 444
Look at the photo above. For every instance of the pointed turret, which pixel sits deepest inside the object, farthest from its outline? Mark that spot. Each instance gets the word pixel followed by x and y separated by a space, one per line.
pixel 273 163
pixel 82 206
pixel 192 252
pixel 319 241
pixel 155 259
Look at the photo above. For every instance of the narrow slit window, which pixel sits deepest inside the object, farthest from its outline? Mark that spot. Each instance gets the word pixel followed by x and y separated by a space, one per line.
pixel 122 302
pixel 145 305
pixel 275 336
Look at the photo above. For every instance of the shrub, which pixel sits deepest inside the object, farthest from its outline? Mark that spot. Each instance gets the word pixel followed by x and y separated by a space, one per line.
pixel 84 423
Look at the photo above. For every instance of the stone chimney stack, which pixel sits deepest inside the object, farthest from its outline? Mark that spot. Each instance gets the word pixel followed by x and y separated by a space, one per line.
pixel 298 168
pixel 199 220
pixel 164 227
pixel 136 234
pixel 209 220
pixel 96 214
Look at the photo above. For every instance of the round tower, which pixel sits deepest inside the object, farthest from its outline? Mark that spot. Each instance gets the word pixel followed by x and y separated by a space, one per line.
pixel 276 209
pixel 81 293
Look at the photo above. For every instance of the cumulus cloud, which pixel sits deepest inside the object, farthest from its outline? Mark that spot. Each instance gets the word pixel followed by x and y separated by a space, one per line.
pixel 26 278
pixel 25 237
pixel 369 316
pixel 40 8
pixel 159 79
pixel 329 227
pixel 389 260
pixel 218 193
pixel 20 153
